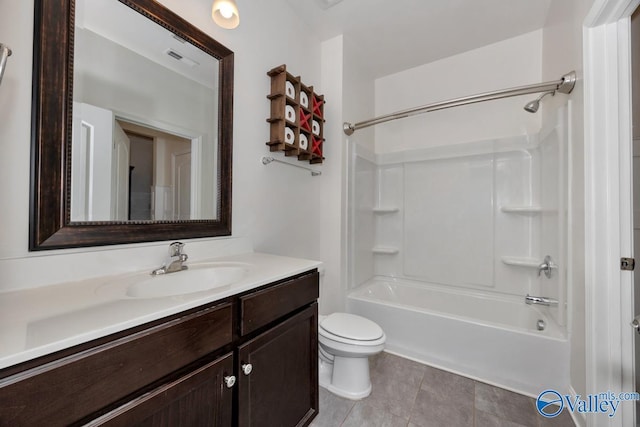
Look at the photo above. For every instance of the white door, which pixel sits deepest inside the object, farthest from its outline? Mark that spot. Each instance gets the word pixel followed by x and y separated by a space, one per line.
pixel 91 158
pixel 181 184
pixel 120 188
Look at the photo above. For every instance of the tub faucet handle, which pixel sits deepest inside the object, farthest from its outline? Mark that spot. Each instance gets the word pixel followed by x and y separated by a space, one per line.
pixel 547 267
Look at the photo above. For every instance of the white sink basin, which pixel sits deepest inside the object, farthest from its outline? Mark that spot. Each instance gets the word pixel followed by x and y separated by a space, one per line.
pixel 197 278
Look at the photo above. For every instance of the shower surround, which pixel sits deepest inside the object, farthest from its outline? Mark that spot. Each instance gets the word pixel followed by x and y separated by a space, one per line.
pixel 445 243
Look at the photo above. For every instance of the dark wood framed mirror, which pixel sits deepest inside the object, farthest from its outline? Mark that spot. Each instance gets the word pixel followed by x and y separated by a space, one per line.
pixel 56 221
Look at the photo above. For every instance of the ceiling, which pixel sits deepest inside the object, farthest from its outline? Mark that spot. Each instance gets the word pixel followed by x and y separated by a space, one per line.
pixel 396 35
pixel 122 25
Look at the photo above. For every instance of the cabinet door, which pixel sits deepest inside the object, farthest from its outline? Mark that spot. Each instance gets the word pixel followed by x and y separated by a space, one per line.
pixel 281 389
pixel 199 398
pixel 70 389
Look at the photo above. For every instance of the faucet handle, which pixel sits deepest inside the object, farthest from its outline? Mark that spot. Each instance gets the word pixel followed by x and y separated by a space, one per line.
pixel 547 267
pixel 175 249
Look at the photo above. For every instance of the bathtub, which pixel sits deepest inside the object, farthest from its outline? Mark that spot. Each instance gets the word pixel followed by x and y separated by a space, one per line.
pixel 493 339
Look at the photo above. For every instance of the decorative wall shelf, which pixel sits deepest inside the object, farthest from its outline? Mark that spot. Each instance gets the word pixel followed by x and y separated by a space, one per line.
pixel 521 261
pixel 385 210
pixel 297 117
pixel 385 250
pixel 522 209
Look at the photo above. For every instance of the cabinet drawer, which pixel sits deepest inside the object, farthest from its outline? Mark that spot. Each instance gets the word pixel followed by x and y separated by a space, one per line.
pixel 260 308
pixel 72 388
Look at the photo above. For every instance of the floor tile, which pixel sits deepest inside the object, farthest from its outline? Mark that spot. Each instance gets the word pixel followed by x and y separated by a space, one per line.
pixel 394 397
pixel 562 420
pixel 395 383
pixel 453 386
pixel 366 415
pixel 373 360
pixel 505 404
pixel 437 410
pixel 333 410
pixel 395 368
pixel 484 419
pixel 409 394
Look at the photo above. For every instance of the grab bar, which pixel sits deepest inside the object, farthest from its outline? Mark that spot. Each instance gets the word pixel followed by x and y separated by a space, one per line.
pixel 546 301
pixel 5 52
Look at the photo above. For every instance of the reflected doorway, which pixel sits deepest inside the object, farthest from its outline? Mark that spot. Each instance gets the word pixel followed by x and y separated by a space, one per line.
pixel 160 174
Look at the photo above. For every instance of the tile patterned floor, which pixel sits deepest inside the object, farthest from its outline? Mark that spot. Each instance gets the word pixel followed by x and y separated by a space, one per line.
pixel 409 394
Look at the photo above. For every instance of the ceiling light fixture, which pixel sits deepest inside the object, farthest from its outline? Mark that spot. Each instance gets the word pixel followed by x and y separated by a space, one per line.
pixel 225 13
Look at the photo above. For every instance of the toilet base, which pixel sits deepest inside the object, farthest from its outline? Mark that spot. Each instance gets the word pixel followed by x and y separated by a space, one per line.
pixel 346 377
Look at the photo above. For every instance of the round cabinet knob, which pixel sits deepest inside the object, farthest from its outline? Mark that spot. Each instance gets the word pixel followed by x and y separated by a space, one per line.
pixel 247 368
pixel 230 381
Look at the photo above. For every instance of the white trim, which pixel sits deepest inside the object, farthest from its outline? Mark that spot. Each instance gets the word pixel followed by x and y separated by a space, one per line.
pixel 197 160
pixel 608 291
pixel 158 125
pixel 609 11
pixel 580 420
pixel 625 192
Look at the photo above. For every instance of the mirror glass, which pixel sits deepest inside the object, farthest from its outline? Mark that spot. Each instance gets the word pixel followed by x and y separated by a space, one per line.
pixel 132 126
pixel 145 120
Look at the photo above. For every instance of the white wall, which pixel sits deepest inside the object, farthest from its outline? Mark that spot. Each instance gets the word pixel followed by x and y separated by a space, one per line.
pixel 349 85
pixel 562 52
pixel 120 80
pixel 359 104
pixel 509 63
pixel 278 207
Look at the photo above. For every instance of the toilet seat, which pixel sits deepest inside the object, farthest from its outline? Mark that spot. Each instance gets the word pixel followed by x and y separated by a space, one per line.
pixel 351 329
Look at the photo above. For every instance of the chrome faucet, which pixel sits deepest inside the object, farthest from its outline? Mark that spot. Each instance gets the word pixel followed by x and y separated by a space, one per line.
pixel 546 301
pixel 175 260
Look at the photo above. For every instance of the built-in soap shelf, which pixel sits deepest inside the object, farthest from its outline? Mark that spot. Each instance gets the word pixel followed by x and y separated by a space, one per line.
pixel 380 210
pixel 521 261
pixel 521 209
pixel 385 250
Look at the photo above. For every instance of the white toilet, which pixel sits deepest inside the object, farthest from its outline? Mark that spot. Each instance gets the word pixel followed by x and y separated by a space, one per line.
pixel 346 342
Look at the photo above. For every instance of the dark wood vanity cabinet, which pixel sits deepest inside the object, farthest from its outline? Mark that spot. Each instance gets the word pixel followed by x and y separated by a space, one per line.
pixel 281 387
pixel 250 360
pixel 199 398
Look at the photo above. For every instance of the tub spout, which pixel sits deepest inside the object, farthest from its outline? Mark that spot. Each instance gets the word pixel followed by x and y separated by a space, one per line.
pixel 546 301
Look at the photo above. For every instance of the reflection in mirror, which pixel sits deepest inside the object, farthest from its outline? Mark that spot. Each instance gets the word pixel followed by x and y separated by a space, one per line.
pixel 132 126
pixel 133 76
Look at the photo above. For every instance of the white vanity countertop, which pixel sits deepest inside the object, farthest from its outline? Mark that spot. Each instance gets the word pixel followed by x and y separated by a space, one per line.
pixel 36 322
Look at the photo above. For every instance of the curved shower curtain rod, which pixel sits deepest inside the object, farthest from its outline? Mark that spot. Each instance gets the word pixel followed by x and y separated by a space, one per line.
pixel 564 85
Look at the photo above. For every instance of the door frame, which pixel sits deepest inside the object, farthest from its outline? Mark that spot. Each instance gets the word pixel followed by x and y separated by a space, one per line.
pixel 608 202
pixel 196 153
pixel 174 174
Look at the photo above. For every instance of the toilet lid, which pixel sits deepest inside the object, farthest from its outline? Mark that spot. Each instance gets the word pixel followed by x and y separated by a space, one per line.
pixel 351 327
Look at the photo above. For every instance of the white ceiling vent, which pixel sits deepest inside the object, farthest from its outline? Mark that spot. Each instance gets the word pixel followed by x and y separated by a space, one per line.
pixel 180 57
pixel 181 40
pixel 326 4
